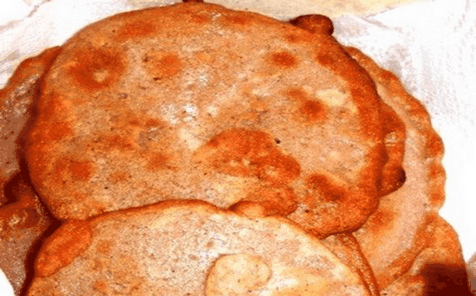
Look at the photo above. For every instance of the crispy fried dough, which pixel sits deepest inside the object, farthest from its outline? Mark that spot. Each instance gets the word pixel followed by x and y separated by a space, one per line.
pixel 404 224
pixel 347 249
pixel 343 245
pixel 394 175
pixel 23 219
pixel 16 100
pixel 194 101
pixel 23 225
pixel 188 248
pixel 438 270
pixel 392 126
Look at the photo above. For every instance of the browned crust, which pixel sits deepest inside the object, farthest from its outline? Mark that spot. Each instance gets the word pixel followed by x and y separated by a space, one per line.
pixel 60 253
pixel 390 125
pixel 23 219
pixel 394 175
pixel 31 67
pixel 67 178
pixel 16 100
pixel 23 225
pixel 347 248
pixel 439 269
pixel 421 196
pixel 416 112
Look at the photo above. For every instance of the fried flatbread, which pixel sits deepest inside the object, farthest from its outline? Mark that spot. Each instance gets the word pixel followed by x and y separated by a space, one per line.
pixel 16 101
pixel 438 270
pixel 23 225
pixel 195 101
pixel 392 126
pixel 343 245
pixel 406 224
pixel 347 249
pixel 23 219
pixel 188 248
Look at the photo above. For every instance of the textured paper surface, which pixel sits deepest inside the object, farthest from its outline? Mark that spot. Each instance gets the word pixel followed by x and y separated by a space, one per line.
pixel 430 45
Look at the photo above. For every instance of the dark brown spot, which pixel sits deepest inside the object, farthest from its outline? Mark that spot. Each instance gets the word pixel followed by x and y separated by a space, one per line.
pixel 444 279
pixel 96 69
pixel 393 174
pixel 158 161
pixel 163 66
pixel 392 179
pixel 326 60
pixel 314 23
pixel 242 152
pixel 330 191
pixel 76 170
pixel 81 171
pixel 312 110
pixel 283 59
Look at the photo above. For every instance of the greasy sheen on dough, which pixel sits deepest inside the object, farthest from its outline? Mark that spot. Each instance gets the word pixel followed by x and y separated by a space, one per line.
pixel 188 248
pixel 195 101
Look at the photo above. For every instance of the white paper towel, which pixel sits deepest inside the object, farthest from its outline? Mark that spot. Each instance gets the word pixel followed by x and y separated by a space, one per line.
pixel 430 45
pixel 5 287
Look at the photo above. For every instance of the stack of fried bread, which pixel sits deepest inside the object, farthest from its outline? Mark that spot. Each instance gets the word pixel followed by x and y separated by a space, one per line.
pixel 196 150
